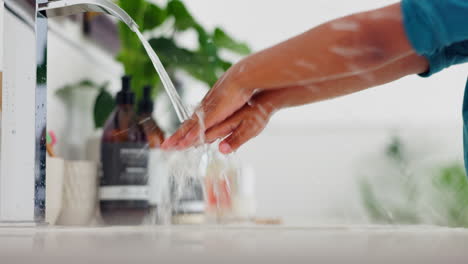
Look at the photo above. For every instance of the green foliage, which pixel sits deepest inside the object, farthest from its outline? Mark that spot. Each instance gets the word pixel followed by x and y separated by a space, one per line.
pixel 448 194
pixel 395 150
pixel 132 54
pixel 385 213
pixel 222 40
pixel 103 107
pixel 204 63
pixel 392 213
pixel 183 18
pixel 452 186
pixel 154 17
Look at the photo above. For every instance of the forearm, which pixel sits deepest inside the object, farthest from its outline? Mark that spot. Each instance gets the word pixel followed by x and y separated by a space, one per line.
pixel 334 52
pixel 273 100
pixel 251 119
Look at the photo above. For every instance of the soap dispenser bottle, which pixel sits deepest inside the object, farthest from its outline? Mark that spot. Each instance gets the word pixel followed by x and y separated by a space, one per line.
pixel 151 133
pixel 123 188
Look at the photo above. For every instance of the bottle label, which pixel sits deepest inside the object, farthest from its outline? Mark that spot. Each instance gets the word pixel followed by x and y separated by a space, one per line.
pixel 124 167
pixel 127 192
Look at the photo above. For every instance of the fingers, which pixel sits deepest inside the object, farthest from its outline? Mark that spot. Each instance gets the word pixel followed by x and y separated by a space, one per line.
pixel 217 106
pixel 192 137
pixel 180 134
pixel 246 124
pixel 222 130
pixel 246 130
pixel 222 103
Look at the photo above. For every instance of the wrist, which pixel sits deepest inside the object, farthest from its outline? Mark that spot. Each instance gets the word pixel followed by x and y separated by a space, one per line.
pixel 266 105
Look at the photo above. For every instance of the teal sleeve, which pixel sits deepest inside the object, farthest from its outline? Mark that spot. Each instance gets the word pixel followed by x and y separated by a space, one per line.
pixel 438 30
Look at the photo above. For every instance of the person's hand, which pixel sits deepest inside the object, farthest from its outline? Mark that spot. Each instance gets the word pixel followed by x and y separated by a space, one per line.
pixel 243 125
pixel 228 107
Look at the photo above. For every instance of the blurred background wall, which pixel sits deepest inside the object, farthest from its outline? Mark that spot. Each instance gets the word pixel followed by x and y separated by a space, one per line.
pixel 308 160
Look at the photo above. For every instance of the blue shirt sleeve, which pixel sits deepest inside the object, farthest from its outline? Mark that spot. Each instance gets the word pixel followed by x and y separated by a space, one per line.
pixel 438 30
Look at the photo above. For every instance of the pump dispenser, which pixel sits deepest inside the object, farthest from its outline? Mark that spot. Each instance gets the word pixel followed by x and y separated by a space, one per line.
pixel 126 96
pixel 146 104
pixel 152 134
pixel 120 126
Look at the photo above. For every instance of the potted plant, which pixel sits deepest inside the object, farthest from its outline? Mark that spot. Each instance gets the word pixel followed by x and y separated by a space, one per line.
pixel 204 63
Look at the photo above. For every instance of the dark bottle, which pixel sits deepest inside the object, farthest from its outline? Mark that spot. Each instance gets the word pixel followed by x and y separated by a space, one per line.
pixel 123 187
pixel 151 133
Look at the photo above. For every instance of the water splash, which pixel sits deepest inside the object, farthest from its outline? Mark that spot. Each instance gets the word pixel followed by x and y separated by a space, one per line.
pixel 187 169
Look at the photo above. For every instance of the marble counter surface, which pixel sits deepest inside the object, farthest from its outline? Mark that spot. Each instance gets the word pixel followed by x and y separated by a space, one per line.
pixel 234 244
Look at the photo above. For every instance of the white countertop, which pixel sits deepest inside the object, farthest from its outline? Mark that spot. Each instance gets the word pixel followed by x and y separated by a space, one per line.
pixel 213 244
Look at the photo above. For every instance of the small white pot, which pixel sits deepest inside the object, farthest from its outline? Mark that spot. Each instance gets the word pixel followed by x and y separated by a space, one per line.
pixel 79 202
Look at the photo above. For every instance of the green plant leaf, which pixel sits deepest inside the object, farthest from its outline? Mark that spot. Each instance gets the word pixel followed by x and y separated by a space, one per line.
pixel 207 75
pixel 209 49
pixel 225 65
pixel 395 150
pixel 223 40
pixel 203 36
pixel 371 203
pixel 201 65
pixel 183 18
pixel 169 53
pixel 154 17
pixel 103 107
pixel 134 8
pixel 451 183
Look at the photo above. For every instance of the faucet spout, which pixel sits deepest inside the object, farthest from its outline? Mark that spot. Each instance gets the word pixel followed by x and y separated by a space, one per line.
pixel 54 8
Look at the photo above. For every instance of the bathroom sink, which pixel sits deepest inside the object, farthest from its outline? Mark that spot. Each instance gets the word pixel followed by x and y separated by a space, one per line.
pixel 234 244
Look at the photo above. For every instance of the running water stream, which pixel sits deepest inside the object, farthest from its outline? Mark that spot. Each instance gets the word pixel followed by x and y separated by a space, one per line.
pixel 179 107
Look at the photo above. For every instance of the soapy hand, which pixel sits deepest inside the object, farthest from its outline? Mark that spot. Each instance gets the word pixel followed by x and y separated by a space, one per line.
pixel 247 122
pixel 236 125
pixel 240 127
pixel 228 109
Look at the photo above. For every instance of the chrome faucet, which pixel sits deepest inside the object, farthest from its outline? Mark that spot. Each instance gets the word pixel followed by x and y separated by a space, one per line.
pixel 24 115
